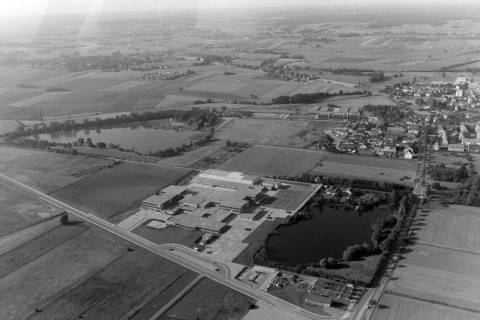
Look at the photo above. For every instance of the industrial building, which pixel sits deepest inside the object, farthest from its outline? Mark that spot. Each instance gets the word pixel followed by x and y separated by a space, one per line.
pixel 210 201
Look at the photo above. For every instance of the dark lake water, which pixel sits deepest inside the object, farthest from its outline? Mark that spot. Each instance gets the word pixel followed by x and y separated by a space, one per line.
pixel 141 138
pixel 327 234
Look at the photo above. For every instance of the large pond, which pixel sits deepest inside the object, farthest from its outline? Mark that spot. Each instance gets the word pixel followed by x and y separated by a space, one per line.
pixel 327 234
pixel 142 139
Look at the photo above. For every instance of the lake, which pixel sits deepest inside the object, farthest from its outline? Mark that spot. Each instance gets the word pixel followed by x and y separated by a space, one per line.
pixel 327 234
pixel 143 139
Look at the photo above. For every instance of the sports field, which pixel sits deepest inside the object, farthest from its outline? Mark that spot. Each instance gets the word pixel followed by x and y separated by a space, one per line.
pixel 116 190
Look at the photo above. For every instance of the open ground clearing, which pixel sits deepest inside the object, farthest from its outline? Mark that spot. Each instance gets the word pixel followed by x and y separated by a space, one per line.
pixel 47 171
pixel 439 270
pixel 20 210
pixel 274 132
pixel 116 190
pixel 209 300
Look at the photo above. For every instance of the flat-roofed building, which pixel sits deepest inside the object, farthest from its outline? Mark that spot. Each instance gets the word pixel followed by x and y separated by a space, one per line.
pixel 226 178
pixel 168 196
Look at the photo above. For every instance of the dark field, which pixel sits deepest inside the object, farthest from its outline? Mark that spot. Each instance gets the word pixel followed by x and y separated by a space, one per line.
pixel 209 300
pixel 118 189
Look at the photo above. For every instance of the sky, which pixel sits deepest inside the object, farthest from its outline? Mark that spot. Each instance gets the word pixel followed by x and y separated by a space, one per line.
pixel 41 7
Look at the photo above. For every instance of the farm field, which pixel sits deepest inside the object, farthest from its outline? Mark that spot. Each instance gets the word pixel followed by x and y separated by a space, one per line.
pixel 18 214
pixel 439 268
pixel 209 300
pixel 118 189
pixel 368 168
pixel 189 158
pixel 273 161
pixel 32 285
pixel 277 161
pixel 463 223
pixel 274 132
pixel 395 307
pixel 441 275
pixel 120 289
pixel 47 171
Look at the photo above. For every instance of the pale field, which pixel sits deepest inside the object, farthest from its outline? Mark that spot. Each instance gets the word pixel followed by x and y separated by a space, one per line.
pixel 440 268
pixel 401 308
pixel 273 132
pixel 462 223
pixel 47 171
pixel 440 275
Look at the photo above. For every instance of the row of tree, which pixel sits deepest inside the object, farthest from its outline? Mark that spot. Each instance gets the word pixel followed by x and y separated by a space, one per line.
pixel 311 97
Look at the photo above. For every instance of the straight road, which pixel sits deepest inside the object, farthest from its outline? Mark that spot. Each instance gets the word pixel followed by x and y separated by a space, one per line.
pixel 216 271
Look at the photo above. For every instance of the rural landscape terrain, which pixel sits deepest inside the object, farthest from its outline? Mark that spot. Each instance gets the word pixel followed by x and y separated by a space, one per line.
pixel 235 163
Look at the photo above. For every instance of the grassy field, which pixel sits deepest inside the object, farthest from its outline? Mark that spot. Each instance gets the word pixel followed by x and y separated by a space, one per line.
pixel 274 132
pixel 118 189
pixel 439 267
pixel 209 300
pixel 17 214
pixel 171 234
pixel 47 171
pixel 270 161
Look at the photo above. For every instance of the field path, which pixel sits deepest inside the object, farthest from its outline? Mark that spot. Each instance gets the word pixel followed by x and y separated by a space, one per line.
pixel 15 239
pixel 176 298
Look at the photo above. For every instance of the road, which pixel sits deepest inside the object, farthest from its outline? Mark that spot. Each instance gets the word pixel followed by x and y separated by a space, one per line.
pixel 215 270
